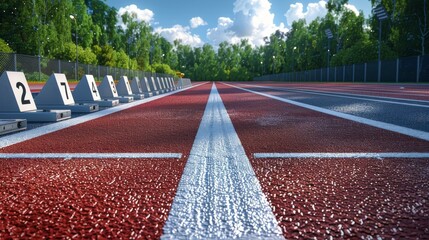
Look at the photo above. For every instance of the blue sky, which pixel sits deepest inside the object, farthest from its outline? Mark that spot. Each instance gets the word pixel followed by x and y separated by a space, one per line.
pixel 196 22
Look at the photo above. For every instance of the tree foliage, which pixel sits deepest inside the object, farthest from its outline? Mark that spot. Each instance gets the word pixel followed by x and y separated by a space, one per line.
pixel 44 28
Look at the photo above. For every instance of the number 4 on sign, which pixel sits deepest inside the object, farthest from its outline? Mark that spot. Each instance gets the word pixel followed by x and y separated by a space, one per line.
pixel 86 90
pixel 15 94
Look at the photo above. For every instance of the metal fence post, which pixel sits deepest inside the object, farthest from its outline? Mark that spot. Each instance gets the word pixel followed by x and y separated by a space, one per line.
pixel 15 67
pixel 344 73
pixel 353 73
pixel 418 69
pixel 59 66
pixel 40 67
pixel 364 72
pixel 335 74
pixel 397 70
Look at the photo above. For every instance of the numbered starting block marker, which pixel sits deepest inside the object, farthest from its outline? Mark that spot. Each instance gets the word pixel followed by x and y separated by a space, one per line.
pixel 86 91
pixel 12 125
pixel 16 101
pixel 108 90
pixel 173 85
pixel 158 85
pixel 124 89
pixel 56 94
pixel 152 86
pixel 184 83
pixel 167 82
pixel 162 84
pixel 146 87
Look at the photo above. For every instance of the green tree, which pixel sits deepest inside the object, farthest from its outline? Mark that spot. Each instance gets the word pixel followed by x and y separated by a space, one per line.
pixel 4 47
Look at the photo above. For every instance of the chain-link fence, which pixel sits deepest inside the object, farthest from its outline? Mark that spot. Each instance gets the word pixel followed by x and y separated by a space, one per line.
pixel 402 70
pixel 39 68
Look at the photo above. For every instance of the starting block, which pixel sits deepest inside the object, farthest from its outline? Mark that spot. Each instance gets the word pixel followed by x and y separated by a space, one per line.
pixel 173 86
pixel 137 87
pixel 146 88
pixel 86 91
pixel 56 94
pixel 124 89
pixel 153 86
pixel 12 125
pixel 108 90
pixel 158 85
pixel 16 101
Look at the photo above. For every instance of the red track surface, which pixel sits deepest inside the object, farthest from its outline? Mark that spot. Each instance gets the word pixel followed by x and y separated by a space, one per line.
pixel 347 198
pixel 166 125
pixel 331 197
pixel 80 199
pixel 407 91
pixel 122 198
pixel 267 125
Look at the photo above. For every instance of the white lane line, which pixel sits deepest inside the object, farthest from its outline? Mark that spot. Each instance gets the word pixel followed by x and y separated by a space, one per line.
pixel 343 95
pixel 36 132
pixel 88 155
pixel 219 196
pixel 323 90
pixel 343 155
pixel 386 126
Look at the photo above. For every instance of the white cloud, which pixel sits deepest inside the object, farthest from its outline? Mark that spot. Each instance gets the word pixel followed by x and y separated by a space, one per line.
pixel 352 8
pixel 253 20
pixel 314 10
pixel 196 22
pixel 138 14
pixel 178 32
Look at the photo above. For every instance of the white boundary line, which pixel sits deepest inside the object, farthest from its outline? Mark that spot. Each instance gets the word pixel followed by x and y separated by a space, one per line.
pixel 219 195
pixel 88 155
pixel 386 126
pixel 351 96
pixel 36 132
pixel 342 155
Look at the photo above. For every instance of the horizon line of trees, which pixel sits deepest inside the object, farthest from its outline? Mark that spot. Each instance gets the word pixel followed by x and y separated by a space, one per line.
pixel 44 28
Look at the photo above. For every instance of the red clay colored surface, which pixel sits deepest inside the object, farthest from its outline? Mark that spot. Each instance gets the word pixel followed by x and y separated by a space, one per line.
pixel 102 198
pixel 167 125
pixel 348 198
pixel 332 198
pixel 267 125
pixel 406 91
pixel 84 199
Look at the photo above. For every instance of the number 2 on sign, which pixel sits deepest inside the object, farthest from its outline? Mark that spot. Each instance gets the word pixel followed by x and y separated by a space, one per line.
pixel 24 93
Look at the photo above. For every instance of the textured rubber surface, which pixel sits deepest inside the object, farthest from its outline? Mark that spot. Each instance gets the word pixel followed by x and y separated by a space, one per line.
pixel 165 125
pixel 348 198
pixel 267 125
pixel 332 198
pixel 101 198
pixel 406 91
pixel 86 198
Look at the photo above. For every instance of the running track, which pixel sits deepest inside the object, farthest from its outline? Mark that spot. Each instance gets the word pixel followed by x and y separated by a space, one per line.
pixel 231 161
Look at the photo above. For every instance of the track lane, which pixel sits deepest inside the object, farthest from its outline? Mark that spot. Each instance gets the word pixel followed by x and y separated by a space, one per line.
pixel 112 197
pixel 268 125
pixel 86 198
pixel 403 113
pixel 399 91
pixel 156 126
pixel 325 197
